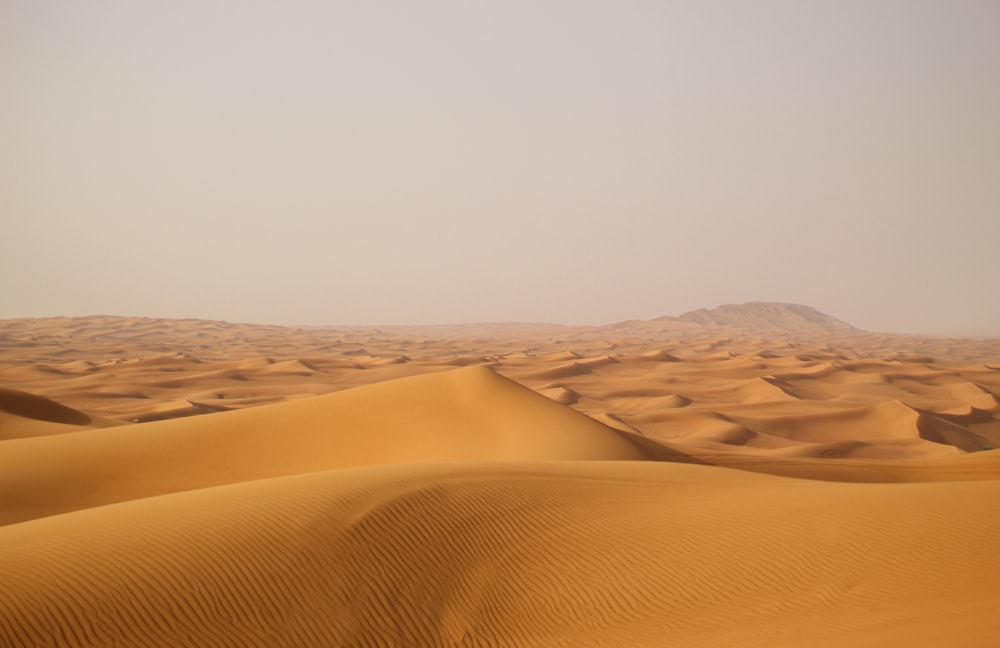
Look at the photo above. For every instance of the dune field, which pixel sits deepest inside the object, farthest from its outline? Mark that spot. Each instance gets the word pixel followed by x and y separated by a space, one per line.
pixel 753 476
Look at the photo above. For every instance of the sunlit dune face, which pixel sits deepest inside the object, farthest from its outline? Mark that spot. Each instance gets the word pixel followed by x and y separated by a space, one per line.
pixel 170 483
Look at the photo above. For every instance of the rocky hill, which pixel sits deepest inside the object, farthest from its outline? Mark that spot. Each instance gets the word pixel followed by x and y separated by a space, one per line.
pixel 768 316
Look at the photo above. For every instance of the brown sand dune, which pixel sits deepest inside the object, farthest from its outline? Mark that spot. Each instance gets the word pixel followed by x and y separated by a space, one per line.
pixel 468 413
pixel 836 467
pixel 965 392
pixel 804 369
pixel 178 408
pixel 753 390
pixel 464 361
pixel 27 415
pixel 35 373
pixel 254 363
pixel 885 430
pixel 852 377
pixel 560 395
pixel 561 356
pixel 575 368
pixel 652 402
pixel 660 355
pixel 468 551
pixel 536 554
pixel 632 381
pixel 598 361
pixel 888 424
pixel 295 367
pixel 676 424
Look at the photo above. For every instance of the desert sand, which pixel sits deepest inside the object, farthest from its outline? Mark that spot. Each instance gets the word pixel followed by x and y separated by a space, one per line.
pixel 752 476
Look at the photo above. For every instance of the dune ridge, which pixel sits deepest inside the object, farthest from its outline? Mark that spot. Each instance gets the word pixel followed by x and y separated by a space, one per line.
pixel 182 482
pixel 467 413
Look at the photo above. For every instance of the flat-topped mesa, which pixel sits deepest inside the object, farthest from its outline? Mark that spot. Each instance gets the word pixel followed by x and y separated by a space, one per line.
pixel 769 316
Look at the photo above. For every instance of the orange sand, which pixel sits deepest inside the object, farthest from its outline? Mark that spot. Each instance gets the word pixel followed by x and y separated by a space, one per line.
pixel 526 485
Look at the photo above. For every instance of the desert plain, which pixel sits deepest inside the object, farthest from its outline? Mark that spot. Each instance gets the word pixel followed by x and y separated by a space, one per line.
pixel 759 475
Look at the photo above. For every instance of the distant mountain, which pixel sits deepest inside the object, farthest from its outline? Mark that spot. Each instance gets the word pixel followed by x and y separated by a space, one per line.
pixel 162 335
pixel 768 316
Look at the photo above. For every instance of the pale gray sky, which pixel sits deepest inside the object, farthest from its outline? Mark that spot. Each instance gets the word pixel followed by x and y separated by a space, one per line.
pixel 569 161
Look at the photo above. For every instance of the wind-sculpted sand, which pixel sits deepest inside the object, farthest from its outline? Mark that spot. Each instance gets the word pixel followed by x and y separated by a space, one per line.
pixel 541 554
pixel 464 414
pixel 173 483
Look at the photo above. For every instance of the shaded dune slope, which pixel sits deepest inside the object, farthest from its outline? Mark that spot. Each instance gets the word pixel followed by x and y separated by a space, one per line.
pixel 28 415
pixel 541 554
pixel 463 414
pixel 963 467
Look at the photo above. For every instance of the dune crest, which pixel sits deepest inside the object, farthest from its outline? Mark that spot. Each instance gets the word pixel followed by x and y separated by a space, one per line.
pixel 464 414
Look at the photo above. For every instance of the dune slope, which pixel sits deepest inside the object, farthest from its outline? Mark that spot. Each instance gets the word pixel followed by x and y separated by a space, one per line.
pixel 463 414
pixel 29 415
pixel 536 554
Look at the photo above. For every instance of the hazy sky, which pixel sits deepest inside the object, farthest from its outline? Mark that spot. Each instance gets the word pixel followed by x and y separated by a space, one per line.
pixel 574 161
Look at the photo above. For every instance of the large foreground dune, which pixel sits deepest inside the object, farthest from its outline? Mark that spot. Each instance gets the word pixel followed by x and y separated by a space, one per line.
pixel 537 554
pixel 174 483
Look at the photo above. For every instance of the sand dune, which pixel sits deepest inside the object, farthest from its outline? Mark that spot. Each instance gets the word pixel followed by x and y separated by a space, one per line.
pixel 464 414
pixel 27 415
pixel 540 554
pixel 182 482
